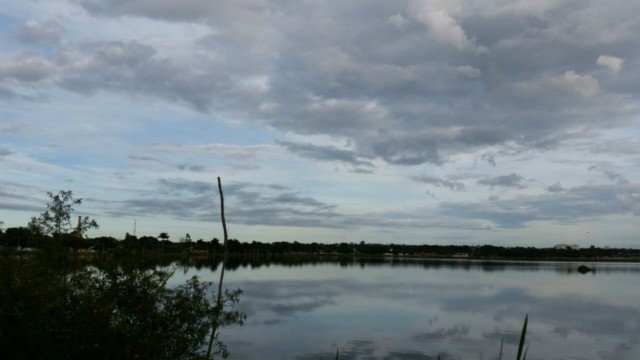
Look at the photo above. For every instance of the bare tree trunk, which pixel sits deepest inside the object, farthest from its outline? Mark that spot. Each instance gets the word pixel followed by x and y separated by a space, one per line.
pixel 218 306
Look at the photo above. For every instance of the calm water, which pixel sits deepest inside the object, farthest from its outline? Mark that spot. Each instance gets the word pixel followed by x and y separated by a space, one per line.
pixel 419 309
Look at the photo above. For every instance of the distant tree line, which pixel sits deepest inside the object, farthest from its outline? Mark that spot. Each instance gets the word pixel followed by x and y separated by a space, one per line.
pixel 54 229
pixel 25 238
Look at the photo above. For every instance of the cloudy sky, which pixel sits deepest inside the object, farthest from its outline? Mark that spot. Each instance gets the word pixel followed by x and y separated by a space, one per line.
pixel 443 122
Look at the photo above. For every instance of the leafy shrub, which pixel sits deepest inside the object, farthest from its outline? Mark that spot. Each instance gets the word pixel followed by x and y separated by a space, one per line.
pixel 59 310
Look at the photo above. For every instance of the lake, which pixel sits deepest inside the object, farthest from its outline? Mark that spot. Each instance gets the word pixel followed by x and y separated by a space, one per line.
pixel 419 309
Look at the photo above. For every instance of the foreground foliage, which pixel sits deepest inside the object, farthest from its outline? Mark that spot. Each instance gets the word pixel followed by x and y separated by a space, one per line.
pixel 56 308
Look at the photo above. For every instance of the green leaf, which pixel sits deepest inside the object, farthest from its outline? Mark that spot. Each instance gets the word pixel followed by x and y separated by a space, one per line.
pixel 522 337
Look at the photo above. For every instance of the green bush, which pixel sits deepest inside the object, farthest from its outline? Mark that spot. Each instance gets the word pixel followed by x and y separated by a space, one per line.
pixel 58 309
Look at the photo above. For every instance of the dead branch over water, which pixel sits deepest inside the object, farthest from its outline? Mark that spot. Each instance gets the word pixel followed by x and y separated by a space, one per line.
pixel 218 306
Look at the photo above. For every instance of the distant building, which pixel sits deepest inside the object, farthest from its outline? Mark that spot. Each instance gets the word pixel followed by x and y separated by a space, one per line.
pixel 567 247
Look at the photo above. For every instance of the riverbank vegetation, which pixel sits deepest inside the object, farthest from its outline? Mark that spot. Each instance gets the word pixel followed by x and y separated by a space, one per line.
pixel 54 230
pixel 57 305
pixel 24 239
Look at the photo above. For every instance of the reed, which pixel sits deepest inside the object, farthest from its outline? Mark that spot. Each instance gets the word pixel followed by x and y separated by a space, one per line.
pixel 522 337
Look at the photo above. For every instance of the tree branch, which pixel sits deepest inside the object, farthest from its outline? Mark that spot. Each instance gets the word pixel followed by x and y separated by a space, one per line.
pixel 218 306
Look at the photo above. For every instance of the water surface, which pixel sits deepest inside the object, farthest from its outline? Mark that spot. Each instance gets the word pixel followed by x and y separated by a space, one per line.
pixel 417 309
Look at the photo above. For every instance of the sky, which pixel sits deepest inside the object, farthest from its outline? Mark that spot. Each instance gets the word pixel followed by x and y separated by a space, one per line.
pixel 512 123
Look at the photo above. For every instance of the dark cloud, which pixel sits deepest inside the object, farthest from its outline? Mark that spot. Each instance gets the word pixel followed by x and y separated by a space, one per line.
pixel 406 83
pixel 438 182
pixel 17 196
pixel 291 198
pixel 190 167
pixel 324 153
pixel 182 199
pixel 19 207
pixel 142 158
pixel 407 151
pixel 5 152
pixel 570 206
pixel 134 68
pixel 490 158
pixel 556 187
pixel 479 136
pixel 251 204
pixel 192 208
pixel 610 174
pixel 362 171
pixel 27 68
pixel 12 195
pixel 271 205
pixel 155 161
pixel 399 82
pixel 512 180
pixel 614 176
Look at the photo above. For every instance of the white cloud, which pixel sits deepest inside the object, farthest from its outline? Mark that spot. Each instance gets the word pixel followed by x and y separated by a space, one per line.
pixel 613 63
pixel 444 28
pixel 48 31
pixel 567 84
pixel 584 85
pixel 397 20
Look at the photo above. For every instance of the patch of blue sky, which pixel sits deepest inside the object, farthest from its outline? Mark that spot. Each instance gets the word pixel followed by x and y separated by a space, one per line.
pixel 9 26
pixel 10 142
pixel 11 44
pixel 185 129
pixel 150 122
pixel 71 159
pixel 44 50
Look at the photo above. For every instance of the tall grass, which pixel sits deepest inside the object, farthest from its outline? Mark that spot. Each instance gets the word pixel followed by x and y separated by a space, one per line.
pixel 522 336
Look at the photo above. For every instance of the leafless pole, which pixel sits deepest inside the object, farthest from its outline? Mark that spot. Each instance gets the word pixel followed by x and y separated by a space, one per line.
pixel 218 305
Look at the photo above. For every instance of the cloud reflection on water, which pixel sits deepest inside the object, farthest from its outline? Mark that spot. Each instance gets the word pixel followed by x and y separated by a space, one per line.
pixel 414 311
